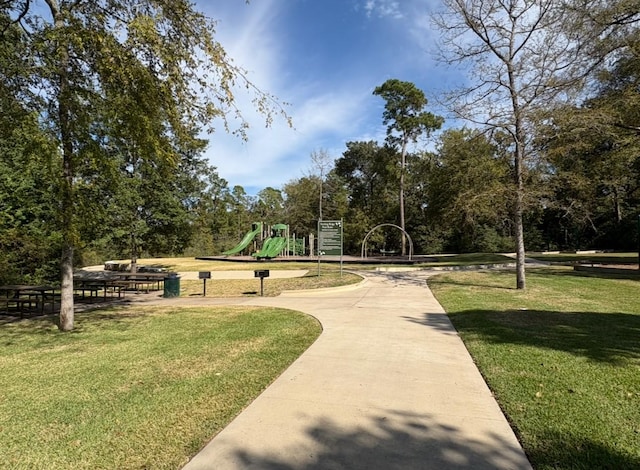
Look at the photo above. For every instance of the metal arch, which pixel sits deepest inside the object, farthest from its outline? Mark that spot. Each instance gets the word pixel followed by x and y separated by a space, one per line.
pixel 364 242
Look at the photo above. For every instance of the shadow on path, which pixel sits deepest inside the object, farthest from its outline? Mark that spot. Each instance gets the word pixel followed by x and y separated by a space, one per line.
pixel 392 440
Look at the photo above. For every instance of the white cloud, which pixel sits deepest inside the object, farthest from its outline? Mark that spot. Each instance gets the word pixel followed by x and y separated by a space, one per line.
pixel 275 155
pixel 326 114
pixel 383 9
pixel 322 113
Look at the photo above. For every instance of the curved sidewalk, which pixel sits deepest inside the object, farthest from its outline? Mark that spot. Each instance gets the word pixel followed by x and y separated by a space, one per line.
pixel 387 385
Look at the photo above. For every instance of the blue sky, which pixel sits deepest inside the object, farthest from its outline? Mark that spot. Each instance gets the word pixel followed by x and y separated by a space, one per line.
pixel 324 57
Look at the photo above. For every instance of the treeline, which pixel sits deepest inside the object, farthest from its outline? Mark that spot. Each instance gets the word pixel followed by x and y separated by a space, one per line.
pixel 582 186
pixel 101 160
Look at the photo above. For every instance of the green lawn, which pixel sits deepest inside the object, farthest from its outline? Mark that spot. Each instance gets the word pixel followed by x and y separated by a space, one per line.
pixel 272 286
pixel 139 387
pixel 573 258
pixel 563 359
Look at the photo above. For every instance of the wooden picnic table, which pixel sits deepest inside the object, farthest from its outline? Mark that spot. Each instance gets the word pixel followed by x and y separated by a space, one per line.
pixel 116 282
pixel 21 296
pixel 139 279
pixel 94 285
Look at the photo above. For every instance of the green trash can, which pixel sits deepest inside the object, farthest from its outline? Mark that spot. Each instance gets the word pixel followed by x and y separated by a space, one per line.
pixel 172 285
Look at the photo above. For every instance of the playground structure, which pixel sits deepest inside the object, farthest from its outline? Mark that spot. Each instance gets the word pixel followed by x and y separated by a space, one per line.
pixel 276 241
pixel 256 228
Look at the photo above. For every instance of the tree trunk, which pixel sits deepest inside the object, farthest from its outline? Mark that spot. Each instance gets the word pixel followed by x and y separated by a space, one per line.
pixel 66 198
pixel 518 216
pixel 520 248
pixel 320 200
pixel 66 291
pixel 66 262
pixel 617 205
pixel 402 224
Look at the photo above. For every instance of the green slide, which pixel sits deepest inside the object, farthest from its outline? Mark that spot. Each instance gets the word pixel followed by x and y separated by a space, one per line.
pixel 265 247
pixel 248 238
pixel 272 247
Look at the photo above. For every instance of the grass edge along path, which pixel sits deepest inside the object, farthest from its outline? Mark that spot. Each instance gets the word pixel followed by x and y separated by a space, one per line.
pixel 562 359
pixel 272 286
pixel 139 387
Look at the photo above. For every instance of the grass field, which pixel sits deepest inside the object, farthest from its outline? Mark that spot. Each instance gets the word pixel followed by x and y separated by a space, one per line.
pixel 136 388
pixel 562 357
pixel 573 258
pixel 271 286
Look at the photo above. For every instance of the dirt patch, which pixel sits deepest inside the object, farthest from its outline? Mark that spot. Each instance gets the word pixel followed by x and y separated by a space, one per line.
pixel 616 266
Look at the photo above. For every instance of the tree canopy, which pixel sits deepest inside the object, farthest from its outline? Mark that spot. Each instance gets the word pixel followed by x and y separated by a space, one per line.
pixel 406 120
pixel 118 81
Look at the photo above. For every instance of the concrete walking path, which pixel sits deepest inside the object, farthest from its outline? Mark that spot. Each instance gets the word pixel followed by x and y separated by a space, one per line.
pixel 387 385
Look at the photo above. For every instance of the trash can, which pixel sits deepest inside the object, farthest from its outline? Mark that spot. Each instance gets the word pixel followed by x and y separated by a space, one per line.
pixel 172 285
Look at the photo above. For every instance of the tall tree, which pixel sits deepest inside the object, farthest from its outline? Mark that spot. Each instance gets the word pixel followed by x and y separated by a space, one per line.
pixel 114 76
pixel 301 205
pixel 406 120
pixel 468 190
pixel 593 150
pixel 321 163
pixel 369 174
pixel 521 58
pixel 269 206
pixel 29 230
pixel 240 207
pixel 213 215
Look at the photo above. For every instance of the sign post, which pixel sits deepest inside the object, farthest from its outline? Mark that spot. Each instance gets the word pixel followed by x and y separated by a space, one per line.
pixel 330 236
pixel 204 275
pixel 261 273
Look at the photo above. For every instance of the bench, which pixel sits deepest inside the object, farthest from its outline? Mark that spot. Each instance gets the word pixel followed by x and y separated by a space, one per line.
pixel 136 284
pixel 388 252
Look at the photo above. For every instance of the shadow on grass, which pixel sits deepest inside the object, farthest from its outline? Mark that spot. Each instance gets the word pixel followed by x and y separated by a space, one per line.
pixel 38 323
pixel 603 337
pixel 560 451
pixel 631 274
pixel 42 331
pixel 389 439
pixel 455 282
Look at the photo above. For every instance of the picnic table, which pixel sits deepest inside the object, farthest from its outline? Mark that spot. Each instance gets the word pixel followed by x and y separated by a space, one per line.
pixel 25 298
pixel 141 281
pixel 116 283
pixel 93 286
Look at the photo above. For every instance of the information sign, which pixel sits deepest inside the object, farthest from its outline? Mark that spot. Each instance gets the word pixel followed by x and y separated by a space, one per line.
pixel 330 237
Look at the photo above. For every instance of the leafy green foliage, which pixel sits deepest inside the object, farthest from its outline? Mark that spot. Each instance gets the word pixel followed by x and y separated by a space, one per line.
pixel 29 225
pixel 404 113
pixel 120 88
pixel 593 152
pixel 469 192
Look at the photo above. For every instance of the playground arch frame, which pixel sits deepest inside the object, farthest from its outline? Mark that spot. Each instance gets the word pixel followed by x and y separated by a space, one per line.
pixel 366 237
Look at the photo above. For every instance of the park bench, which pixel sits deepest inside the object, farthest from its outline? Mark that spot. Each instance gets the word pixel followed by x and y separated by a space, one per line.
pixel 388 252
